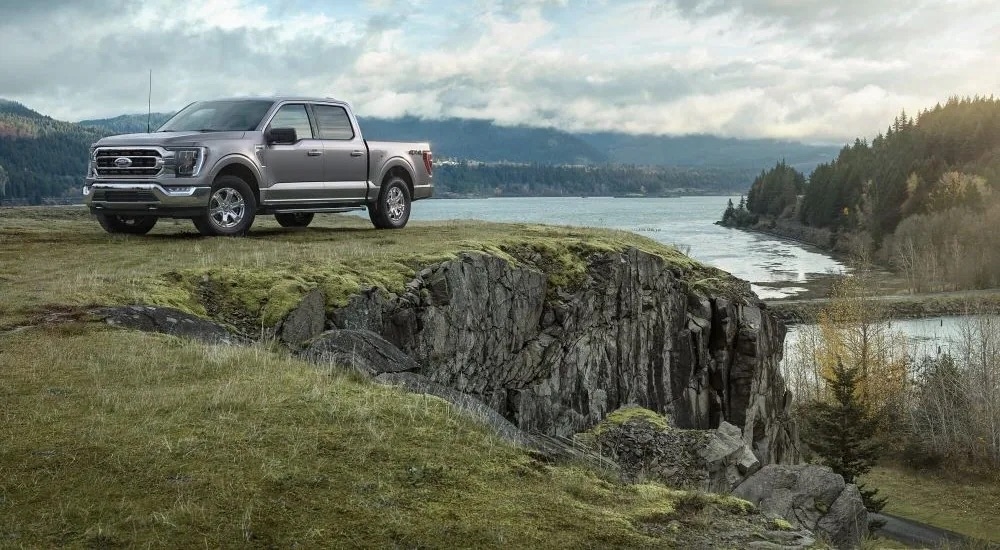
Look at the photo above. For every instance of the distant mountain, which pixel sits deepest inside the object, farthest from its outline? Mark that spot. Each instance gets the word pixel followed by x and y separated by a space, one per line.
pixel 127 124
pixel 486 141
pixel 707 150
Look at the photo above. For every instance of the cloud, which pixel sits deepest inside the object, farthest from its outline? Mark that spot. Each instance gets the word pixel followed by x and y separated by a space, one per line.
pixel 808 69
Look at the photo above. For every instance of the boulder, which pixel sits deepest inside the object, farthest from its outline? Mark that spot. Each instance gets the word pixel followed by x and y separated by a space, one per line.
pixel 306 321
pixel 167 321
pixel 361 350
pixel 646 447
pixel 810 497
pixel 727 458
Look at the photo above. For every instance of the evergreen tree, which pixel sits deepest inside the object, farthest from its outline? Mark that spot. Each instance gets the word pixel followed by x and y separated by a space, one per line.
pixel 842 434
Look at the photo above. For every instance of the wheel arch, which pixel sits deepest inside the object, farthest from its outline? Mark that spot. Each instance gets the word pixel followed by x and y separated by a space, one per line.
pixel 397 167
pixel 241 167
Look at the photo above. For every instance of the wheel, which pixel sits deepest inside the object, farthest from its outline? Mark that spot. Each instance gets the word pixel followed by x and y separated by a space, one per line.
pixel 231 209
pixel 298 219
pixel 131 225
pixel 392 209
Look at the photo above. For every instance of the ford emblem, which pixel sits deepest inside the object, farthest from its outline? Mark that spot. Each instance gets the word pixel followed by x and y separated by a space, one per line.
pixel 123 162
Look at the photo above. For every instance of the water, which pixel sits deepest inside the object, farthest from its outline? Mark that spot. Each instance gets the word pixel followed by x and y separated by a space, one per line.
pixel 774 266
pixel 929 336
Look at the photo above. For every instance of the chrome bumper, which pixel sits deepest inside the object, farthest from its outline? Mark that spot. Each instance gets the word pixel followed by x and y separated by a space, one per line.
pixel 146 198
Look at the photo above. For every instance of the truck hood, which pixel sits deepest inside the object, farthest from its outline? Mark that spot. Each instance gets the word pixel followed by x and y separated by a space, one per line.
pixel 167 138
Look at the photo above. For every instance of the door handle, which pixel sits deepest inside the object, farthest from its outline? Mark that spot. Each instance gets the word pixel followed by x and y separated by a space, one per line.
pixel 357 153
pixel 314 153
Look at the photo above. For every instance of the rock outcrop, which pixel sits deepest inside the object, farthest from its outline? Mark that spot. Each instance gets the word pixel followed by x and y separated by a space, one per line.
pixel 168 321
pixel 646 447
pixel 809 497
pixel 362 350
pixel 305 321
pixel 631 330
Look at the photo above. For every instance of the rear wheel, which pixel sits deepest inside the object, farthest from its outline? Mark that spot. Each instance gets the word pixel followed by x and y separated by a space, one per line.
pixel 297 219
pixel 129 225
pixel 231 209
pixel 392 209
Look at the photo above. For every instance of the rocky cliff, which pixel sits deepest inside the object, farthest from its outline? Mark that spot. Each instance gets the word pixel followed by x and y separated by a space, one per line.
pixel 629 328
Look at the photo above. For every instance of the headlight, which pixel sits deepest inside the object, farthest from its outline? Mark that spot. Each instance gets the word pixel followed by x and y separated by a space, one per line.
pixel 187 162
pixel 92 162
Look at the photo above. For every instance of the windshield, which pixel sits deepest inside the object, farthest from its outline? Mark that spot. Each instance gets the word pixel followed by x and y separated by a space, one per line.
pixel 218 116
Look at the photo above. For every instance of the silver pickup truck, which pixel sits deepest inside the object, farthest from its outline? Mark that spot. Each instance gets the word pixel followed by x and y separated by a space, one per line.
pixel 220 163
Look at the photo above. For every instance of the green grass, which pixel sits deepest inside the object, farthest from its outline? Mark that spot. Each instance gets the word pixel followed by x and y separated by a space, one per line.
pixel 966 504
pixel 118 438
pixel 51 259
pixel 115 438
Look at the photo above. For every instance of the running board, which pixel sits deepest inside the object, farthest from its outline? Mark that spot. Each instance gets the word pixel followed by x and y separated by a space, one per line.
pixel 315 210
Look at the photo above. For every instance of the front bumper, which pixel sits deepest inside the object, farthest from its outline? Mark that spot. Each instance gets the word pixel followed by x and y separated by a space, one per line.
pixel 137 198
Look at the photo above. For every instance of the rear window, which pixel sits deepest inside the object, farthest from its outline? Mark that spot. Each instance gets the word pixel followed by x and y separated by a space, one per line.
pixel 333 122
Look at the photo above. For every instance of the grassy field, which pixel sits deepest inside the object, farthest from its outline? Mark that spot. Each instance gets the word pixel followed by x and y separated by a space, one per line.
pixel 964 503
pixel 53 259
pixel 113 438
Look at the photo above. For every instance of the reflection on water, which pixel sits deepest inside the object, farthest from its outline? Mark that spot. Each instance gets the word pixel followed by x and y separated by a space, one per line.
pixel 928 337
pixel 688 222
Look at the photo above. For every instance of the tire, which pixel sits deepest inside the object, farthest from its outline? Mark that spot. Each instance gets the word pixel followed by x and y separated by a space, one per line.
pixel 392 209
pixel 231 209
pixel 129 225
pixel 298 219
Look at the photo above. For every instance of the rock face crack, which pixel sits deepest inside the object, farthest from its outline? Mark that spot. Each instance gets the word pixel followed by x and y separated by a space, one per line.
pixel 558 362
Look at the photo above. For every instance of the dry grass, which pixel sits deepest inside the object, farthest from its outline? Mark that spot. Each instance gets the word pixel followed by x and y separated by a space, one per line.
pixel 966 504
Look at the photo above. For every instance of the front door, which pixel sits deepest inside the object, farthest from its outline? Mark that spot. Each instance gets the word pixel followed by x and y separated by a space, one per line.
pixel 296 170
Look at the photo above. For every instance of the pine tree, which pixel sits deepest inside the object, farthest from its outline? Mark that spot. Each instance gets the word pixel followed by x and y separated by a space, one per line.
pixel 842 434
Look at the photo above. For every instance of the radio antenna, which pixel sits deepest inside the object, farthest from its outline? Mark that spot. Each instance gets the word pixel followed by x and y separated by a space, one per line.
pixel 149 101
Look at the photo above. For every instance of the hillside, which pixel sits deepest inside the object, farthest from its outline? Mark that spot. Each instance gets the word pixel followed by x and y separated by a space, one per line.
pixel 707 150
pixel 924 197
pixel 41 156
pixel 116 437
pixel 127 124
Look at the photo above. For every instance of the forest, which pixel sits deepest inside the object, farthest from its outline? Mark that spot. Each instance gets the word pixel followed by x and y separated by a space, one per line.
pixel 922 196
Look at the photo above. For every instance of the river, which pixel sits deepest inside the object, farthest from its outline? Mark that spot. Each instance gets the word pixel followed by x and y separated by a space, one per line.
pixel 777 268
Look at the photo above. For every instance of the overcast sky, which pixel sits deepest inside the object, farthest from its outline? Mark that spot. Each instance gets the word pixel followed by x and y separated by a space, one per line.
pixel 817 70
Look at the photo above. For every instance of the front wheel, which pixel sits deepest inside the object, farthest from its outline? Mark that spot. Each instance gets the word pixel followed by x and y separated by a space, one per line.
pixel 297 219
pixel 129 225
pixel 231 209
pixel 392 209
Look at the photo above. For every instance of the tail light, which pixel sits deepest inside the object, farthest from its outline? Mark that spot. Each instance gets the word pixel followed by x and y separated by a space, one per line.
pixel 429 162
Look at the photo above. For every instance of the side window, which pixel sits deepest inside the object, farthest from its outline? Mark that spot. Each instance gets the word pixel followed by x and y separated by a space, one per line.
pixel 333 122
pixel 293 116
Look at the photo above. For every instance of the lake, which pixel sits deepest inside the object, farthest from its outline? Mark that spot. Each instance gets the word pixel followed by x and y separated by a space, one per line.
pixel 777 268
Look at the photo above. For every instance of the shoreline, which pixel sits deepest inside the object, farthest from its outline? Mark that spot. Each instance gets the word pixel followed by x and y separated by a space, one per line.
pixel 898 306
pixel 892 289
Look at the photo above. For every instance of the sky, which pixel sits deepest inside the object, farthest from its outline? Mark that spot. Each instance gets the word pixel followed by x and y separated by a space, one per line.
pixel 820 71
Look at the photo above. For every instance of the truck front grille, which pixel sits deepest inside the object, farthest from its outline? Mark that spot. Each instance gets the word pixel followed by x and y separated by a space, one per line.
pixel 123 196
pixel 128 162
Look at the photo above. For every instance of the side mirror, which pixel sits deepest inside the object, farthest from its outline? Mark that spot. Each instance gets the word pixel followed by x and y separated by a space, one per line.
pixel 281 135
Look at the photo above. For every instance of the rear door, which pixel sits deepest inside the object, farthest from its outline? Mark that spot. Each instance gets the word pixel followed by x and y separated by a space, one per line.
pixel 344 152
pixel 297 170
